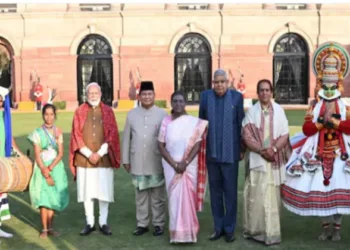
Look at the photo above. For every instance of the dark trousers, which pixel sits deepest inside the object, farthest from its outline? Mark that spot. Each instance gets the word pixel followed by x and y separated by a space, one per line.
pixel 223 180
pixel 38 105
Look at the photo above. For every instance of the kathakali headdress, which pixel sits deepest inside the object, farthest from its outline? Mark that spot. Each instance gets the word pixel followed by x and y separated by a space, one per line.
pixel 331 66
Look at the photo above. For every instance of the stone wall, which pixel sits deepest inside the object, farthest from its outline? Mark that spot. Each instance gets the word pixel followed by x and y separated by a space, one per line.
pixel 45 39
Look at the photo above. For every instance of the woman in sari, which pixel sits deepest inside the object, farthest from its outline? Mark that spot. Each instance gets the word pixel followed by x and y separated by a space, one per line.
pixel 49 185
pixel 182 145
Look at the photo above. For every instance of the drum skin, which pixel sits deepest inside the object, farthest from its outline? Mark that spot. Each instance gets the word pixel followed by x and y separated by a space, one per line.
pixel 15 173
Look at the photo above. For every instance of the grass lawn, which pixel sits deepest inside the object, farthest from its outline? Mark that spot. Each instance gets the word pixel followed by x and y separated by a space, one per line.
pixel 297 232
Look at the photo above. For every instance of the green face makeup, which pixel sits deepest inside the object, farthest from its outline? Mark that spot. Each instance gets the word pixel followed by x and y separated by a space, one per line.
pixel 329 91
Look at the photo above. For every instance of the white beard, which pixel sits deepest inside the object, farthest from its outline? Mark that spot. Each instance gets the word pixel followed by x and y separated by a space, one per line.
pixel 94 103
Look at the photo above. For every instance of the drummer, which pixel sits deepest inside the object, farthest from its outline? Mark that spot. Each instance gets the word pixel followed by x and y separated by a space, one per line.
pixel 5 151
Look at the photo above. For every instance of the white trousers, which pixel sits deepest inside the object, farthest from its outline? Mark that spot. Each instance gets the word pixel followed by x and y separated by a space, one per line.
pixel 89 212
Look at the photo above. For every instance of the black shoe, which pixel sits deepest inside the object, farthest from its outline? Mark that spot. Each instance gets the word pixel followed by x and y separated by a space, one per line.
pixel 216 236
pixel 87 230
pixel 230 238
pixel 158 231
pixel 106 230
pixel 140 231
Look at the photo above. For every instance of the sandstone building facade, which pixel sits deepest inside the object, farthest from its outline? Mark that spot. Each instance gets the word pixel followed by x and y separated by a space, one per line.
pixel 177 46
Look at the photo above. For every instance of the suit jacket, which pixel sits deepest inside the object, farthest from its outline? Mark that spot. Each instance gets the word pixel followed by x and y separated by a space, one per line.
pixel 140 140
pixel 237 118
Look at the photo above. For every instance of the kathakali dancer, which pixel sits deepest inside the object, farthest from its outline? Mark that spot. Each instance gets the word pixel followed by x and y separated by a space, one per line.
pixel 318 171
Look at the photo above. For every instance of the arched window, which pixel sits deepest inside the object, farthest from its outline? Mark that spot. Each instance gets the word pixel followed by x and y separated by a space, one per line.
pixel 95 65
pixel 192 66
pixel 291 70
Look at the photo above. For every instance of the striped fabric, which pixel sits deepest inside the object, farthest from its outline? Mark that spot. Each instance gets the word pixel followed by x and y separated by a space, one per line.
pixel 317 202
pixel 202 170
pixel 4 208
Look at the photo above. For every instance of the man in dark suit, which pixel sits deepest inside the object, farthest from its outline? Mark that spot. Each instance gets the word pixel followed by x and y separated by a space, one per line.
pixel 223 108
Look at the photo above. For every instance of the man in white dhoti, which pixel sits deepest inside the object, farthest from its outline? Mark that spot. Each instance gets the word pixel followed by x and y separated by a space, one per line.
pixel 266 134
pixel 94 153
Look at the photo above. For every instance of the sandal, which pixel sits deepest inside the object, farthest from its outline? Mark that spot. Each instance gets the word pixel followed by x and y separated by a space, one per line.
pixel 53 233
pixel 43 234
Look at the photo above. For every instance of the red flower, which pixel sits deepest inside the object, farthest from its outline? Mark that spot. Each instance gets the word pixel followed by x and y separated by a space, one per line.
pixel 326 182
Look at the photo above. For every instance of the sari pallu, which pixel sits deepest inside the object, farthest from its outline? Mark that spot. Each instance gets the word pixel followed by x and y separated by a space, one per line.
pixel 186 191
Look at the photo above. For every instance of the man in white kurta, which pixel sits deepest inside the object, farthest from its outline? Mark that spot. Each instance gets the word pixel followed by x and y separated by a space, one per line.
pixel 265 133
pixel 95 152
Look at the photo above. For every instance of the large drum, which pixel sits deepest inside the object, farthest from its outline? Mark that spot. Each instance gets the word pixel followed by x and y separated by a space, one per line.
pixel 15 173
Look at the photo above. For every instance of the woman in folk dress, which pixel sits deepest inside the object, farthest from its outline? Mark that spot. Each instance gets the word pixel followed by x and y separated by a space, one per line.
pixel 49 185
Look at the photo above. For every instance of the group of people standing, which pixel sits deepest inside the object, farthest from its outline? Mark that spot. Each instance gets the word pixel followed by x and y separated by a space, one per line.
pixel 165 154
pixel 174 154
